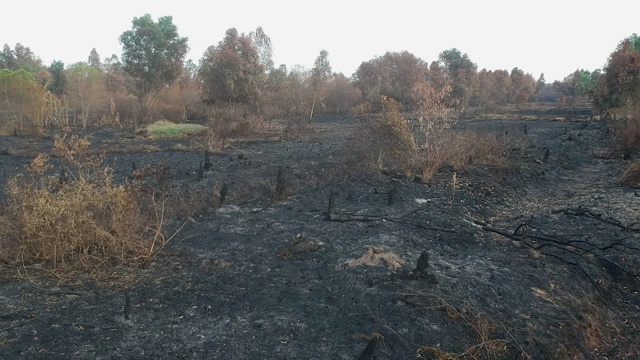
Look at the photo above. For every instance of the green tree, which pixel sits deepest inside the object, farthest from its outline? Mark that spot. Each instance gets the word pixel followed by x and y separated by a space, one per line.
pixel 22 57
pixel 462 73
pixel 86 90
pixel 22 100
pixel 153 57
pixel 229 71
pixel 58 82
pixel 8 58
pixel 577 87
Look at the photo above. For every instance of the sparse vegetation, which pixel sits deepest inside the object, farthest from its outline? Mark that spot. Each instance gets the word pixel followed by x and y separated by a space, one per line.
pixel 459 151
pixel 168 129
pixel 74 218
pixel 626 131
pixel 631 175
pixel 487 346
pixel 385 140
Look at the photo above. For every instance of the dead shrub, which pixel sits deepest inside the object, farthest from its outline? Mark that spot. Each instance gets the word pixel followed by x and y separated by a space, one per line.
pixel 626 131
pixel 487 345
pixel 382 140
pixel 77 220
pixel 296 128
pixel 227 123
pixel 459 150
pixel 631 175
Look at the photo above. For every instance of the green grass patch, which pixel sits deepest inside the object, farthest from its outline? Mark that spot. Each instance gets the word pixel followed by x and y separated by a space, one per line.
pixel 164 128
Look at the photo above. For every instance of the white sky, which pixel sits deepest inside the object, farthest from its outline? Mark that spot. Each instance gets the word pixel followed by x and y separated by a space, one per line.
pixel 538 36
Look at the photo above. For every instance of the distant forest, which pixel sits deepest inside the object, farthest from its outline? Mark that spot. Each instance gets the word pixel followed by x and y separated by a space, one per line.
pixel 151 81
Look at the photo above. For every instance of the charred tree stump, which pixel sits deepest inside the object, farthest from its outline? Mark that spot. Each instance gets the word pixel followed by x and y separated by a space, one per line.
pixel 281 186
pixel 367 354
pixel 545 156
pixel 200 171
pixel 207 161
pixel 331 210
pixel 392 196
pixel 224 190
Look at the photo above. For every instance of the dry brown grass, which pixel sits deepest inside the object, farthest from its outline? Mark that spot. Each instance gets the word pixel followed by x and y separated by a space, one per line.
pixel 77 219
pixel 631 175
pixel 459 150
pixel 382 141
pixel 297 129
pixel 626 131
pixel 375 256
pixel 487 346
pixel 226 124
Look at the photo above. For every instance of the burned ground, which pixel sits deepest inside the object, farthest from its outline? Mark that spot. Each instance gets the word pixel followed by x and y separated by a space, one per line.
pixel 545 250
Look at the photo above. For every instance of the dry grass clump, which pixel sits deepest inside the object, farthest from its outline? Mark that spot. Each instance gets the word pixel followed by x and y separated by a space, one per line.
pixel 375 256
pixel 626 130
pixel 296 129
pixel 225 124
pixel 459 150
pixel 631 175
pixel 487 346
pixel 77 220
pixel 384 140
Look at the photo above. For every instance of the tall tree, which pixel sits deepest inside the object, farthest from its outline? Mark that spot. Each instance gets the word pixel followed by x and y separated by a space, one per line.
pixel 619 84
pixel 86 90
pixel 264 47
pixel 320 75
pixel 341 94
pixel 8 58
pixel 540 83
pixel 94 59
pixel 523 86
pixel 22 57
pixel 22 99
pixel 153 57
pixel 393 75
pixel 58 81
pixel 462 72
pixel 230 69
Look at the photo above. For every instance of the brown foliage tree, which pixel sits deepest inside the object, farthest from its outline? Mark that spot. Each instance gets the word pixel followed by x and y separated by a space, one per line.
pixel 619 84
pixel 523 86
pixel 392 75
pixel 341 94
pixel 229 71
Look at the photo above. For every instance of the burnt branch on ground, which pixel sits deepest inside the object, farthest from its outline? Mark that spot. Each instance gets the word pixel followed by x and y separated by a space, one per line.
pixel 583 211
pixel 346 216
pixel 607 264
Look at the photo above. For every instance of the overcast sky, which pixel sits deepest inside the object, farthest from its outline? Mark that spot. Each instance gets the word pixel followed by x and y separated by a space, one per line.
pixel 543 36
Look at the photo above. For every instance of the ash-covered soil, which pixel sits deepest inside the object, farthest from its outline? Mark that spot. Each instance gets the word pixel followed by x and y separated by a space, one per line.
pixel 546 250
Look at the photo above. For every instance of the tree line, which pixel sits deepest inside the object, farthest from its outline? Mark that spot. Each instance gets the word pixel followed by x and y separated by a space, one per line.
pixel 151 80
